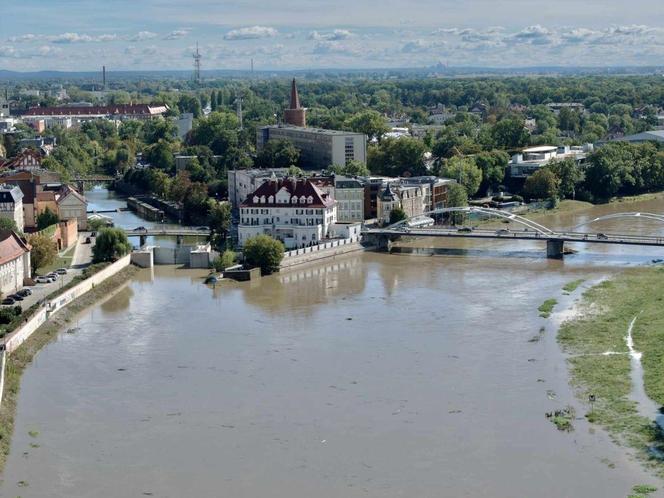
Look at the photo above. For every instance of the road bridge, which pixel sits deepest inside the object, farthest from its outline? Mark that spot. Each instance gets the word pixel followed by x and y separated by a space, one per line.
pixel 528 230
pixel 167 231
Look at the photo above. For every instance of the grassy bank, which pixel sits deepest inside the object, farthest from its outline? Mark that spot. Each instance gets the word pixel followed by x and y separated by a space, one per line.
pixel 601 326
pixel 21 358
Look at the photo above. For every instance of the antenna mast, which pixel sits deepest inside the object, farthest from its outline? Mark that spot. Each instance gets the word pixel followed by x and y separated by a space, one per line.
pixel 238 103
pixel 197 65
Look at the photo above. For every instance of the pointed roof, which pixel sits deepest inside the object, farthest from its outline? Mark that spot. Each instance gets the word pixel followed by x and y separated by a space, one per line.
pixel 388 195
pixel 294 96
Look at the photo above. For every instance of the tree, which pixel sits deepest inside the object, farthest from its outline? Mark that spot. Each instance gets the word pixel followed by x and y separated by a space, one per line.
pixel 609 170
pixel 542 184
pixel 224 260
pixel 510 133
pixel 465 171
pixel 46 218
pixel 569 175
pixel 456 197
pixel 397 215
pixel 264 252
pixel 369 122
pixel 111 244
pixel 8 224
pixel 44 250
pixel 352 168
pixel 220 222
pixel 278 154
pixel 493 165
pixel 397 157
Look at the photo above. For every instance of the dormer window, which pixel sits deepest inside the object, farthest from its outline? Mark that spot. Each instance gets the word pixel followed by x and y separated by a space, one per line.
pixel 294 199
pixel 271 199
pixel 311 199
pixel 262 199
pixel 255 199
pixel 303 200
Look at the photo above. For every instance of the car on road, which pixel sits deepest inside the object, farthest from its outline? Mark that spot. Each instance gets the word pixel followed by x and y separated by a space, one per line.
pixel 24 292
pixel 15 297
pixel 53 275
pixel 139 229
pixel 503 231
pixel 465 229
pixel 203 229
pixel 8 301
pixel 602 236
pixel 61 271
pixel 43 280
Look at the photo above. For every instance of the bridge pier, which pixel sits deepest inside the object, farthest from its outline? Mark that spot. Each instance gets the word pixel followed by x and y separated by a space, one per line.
pixel 143 240
pixel 180 239
pixel 555 248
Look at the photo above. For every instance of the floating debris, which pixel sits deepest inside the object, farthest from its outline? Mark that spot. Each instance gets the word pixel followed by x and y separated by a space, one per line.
pixel 72 330
pixel 562 419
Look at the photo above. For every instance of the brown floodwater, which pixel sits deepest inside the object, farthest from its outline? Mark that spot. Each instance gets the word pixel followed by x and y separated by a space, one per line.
pixel 376 375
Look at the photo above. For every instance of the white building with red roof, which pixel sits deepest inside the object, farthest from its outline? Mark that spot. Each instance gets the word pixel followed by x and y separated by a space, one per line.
pixel 292 210
pixel 14 262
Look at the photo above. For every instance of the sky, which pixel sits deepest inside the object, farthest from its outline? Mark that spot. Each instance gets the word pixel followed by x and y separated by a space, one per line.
pixel 82 35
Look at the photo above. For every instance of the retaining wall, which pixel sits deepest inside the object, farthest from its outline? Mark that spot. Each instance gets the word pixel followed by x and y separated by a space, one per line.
pixel 322 251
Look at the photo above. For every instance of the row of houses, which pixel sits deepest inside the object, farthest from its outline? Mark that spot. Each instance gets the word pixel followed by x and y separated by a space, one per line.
pixel 306 211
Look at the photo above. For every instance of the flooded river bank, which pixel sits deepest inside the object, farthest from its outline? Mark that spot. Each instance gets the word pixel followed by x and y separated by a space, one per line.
pixel 371 375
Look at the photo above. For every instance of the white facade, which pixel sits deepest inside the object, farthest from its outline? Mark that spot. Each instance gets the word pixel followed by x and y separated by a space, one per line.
pixel 14 263
pixel 532 159
pixel 243 182
pixel 349 194
pixel 293 211
pixel 73 205
pixel 11 205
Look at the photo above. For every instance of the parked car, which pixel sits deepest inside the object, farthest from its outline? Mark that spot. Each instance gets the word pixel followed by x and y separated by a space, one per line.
pixel 503 231
pixel 465 229
pixel 61 271
pixel 8 301
pixel 140 229
pixel 602 236
pixel 15 297
pixel 53 275
pixel 43 280
pixel 24 292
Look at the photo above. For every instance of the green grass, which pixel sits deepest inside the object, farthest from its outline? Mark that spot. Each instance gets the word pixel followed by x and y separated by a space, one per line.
pixel 606 312
pixel 573 285
pixel 62 260
pixel 546 308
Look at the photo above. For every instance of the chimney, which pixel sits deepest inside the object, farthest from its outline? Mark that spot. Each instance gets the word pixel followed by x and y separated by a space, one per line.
pixel 294 97
pixel 103 77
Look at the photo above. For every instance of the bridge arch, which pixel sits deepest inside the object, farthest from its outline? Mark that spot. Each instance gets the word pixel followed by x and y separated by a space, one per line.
pixel 613 216
pixel 530 224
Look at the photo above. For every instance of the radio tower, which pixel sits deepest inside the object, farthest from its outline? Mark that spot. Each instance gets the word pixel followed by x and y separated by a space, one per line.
pixel 197 65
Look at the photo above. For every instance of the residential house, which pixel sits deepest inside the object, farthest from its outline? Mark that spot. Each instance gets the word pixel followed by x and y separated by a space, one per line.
pixel 72 205
pixel 11 205
pixel 26 160
pixel 292 210
pixel 531 159
pixel 349 194
pixel 14 262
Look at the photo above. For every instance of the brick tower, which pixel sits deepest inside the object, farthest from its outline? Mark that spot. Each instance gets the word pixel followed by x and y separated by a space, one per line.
pixel 295 115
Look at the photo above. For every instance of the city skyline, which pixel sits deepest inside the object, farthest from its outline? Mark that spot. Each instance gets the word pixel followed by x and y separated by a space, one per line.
pixel 162 34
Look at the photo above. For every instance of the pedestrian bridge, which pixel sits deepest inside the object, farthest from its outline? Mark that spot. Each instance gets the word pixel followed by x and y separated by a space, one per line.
pixel 528 230
pixel 167 231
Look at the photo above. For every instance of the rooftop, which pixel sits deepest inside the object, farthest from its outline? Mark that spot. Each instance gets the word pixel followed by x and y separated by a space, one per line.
pixel 318 131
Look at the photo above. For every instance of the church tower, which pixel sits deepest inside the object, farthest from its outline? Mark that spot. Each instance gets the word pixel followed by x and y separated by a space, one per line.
pixel 295 115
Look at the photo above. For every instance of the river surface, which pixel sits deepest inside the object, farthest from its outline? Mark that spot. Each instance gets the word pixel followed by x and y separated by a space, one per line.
pixel 370 375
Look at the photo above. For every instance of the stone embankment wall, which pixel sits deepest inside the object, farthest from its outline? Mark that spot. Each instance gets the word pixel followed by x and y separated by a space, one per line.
pixel 330 249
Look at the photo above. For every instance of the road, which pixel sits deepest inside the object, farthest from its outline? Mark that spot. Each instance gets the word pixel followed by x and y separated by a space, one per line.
pixel 82 258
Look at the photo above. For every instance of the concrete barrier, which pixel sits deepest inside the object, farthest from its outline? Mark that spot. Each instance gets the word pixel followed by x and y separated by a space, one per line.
pixel 330 249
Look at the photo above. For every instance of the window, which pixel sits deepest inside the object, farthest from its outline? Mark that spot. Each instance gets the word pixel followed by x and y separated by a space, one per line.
pixel 271 199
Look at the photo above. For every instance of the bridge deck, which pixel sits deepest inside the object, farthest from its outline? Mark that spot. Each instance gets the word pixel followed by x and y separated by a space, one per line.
pixel 586 238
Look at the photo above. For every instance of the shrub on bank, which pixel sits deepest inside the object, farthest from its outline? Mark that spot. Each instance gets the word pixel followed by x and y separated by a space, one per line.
pixel 264 252
pixel 111 245
pixel 224 260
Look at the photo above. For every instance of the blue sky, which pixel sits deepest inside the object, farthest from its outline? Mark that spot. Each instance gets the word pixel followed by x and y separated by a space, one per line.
pixel 300 34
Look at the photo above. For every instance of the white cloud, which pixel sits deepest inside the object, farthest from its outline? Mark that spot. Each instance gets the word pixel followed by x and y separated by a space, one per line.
pixel 251 33
pixel 8 52
pixel 176 34
pixel 81 38
pixel 336 35
pixel 142 36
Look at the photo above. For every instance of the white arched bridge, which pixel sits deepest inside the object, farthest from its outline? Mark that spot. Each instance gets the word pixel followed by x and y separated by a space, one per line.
pixel 527 230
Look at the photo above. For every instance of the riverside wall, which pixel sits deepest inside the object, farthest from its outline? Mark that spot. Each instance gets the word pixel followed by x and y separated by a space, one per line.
pixel 327 250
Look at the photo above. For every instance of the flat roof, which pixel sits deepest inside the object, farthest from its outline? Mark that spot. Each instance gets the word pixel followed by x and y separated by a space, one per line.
pixel 541 148
pixel 317 131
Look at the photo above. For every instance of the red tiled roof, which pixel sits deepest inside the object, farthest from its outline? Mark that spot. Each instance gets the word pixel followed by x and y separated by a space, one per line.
pixel 108 110
pixel 11 246
pixel 298 188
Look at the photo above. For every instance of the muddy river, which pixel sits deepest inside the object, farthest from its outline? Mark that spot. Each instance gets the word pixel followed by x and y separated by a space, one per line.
pixel 410 375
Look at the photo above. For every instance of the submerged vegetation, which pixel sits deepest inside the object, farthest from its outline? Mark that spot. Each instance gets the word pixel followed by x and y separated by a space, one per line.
pixel 573 285
pixel 600 365
pixel 546 308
